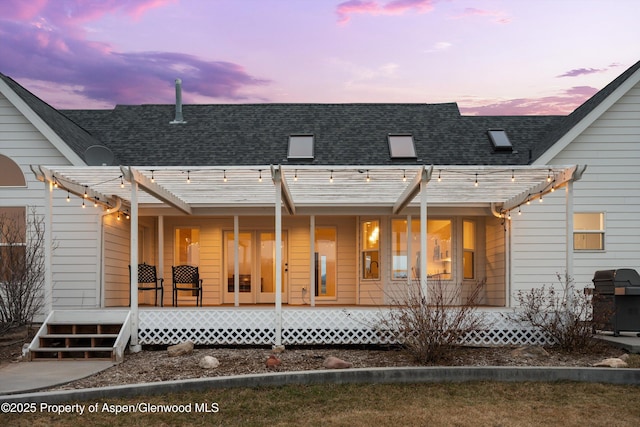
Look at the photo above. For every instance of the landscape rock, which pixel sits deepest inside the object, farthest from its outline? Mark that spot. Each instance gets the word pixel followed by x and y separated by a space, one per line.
pixel 209 362
pixel 180 349
pixel 333 362
pixel 273 362
pixel 612 362
pixel 529 352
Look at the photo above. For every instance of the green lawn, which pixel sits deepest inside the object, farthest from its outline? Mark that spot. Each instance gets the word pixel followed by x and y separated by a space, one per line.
pixel 462 404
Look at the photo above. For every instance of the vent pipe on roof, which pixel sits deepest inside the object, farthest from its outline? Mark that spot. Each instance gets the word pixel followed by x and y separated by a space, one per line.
pixel 179 118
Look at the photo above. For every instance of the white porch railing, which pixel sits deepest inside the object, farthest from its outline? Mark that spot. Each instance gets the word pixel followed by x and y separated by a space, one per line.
pixel 302 326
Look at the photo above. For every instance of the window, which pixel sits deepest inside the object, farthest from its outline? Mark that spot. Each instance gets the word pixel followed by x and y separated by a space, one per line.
pixel 371 249
pixel 187 247
pixel 588 231
pixel 468 249
pixel 401 146
pixel 13 242
pixel 300 147
pixel 438 247
pixel 500 140
pixel 326 262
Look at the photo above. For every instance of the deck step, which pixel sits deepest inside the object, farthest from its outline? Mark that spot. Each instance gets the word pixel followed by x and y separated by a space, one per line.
pixel 78 336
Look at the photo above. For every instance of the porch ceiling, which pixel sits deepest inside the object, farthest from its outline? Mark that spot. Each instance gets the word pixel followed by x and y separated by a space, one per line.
pixel 191 188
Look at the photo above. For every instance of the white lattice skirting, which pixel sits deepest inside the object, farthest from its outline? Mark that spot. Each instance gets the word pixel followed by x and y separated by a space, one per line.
pixel 303 326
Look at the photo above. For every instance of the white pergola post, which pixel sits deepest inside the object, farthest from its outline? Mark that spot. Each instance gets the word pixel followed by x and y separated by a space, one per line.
pixel 423 238
pixel 48 244
pixel 278 208
pixel 569 242
pixel 312 263
pixel 135 346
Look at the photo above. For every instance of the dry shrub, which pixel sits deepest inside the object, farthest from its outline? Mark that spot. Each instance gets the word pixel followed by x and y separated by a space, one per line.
pixel 21 269
pixel 430 327
pixel 562 313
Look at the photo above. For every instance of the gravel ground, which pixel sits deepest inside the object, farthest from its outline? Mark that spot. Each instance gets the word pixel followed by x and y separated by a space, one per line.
pixel 154 364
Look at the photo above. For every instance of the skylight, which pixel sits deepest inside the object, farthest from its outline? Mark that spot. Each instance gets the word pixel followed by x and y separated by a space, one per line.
pixel 500 140
pixel 401 146
pixel 300 147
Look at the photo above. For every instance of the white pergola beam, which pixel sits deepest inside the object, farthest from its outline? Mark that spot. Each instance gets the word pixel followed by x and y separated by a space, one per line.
pixel 287 199
pixel 409 193
pixel 571 174
pixel 132 175
pixel 73 187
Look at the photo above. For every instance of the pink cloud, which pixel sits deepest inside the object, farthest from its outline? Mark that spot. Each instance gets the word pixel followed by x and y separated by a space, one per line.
pixel 551 105
pixel 57 51
pixel 370 7
pixel 498 16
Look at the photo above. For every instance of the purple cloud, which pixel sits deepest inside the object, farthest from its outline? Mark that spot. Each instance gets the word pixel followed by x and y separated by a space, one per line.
pixel 582 71
pixel 551 105
pixel 371 7
pixel 43 42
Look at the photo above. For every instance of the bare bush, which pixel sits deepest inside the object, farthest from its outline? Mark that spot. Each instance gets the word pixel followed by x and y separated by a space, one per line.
pixel 564 314
pixel 21 269
pixel 431 327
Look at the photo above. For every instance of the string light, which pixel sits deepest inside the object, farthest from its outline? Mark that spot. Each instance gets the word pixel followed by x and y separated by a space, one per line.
pixel 68 196
pixel 85 192
pixel 152 178
pixel 509 215
pixel 224 175
pixel 55 182
pixel 540 197
pixel 121 182
pixel 513 176
pixel 439 176
pixel 519 211
pixel 476 183
pixel 331 176
pixel 127 215
pixel 188 177
pixel 404 176
pixel 368 179
pixel 260 175
pixel 83 205
pixel 549 176
pixel 295 176
pixel 118 216
pixel 529 199
pixel 95 202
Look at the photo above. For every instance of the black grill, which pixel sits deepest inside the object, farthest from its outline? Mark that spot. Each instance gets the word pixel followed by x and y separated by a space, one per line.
pixel 616 300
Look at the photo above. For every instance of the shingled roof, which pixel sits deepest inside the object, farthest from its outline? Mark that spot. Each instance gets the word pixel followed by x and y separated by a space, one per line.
pixel 345 134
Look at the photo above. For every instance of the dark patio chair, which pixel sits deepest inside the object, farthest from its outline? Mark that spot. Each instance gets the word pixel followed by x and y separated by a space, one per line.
pixel 149 281
pixel 186 278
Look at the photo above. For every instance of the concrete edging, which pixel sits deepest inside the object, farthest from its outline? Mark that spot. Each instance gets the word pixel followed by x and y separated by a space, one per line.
pixel 345 376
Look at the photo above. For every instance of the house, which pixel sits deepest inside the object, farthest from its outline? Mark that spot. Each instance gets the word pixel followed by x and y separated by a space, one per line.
pixel 362 199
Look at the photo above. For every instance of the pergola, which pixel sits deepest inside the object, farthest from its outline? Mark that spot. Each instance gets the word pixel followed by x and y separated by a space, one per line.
pixel 303 190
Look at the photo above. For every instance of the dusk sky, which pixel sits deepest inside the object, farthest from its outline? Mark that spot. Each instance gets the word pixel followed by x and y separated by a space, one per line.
pixel 490 56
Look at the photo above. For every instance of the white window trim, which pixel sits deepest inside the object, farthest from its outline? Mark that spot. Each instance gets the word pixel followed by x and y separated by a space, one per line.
pixel 602 232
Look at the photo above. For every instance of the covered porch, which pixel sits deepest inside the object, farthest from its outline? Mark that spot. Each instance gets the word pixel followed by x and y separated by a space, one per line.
pixel 309 194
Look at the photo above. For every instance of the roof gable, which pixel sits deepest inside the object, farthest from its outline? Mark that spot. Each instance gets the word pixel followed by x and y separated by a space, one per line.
pixel 69 138
pixel 585 115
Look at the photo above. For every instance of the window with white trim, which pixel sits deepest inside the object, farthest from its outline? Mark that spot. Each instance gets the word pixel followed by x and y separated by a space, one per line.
pixel 13 242
pixel 588 231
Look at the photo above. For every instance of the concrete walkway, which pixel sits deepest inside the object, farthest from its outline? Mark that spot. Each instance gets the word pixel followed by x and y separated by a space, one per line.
pixel 23 377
